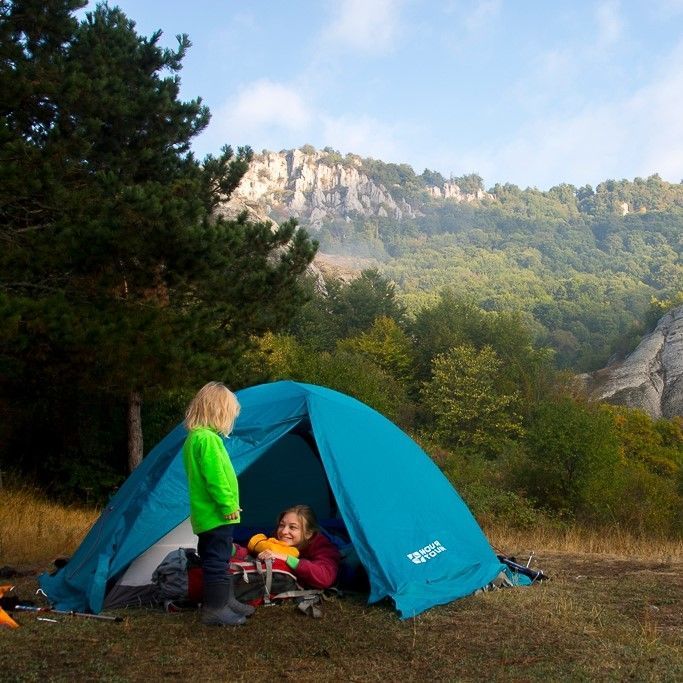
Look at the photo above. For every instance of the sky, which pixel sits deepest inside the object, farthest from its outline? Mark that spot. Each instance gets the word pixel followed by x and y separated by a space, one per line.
pixel 530 92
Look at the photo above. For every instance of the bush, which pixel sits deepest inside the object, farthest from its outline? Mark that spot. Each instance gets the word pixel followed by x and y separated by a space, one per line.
pixel 469 408
pixel 649 504
pixel 602 465
pixel 480 484
pixel 348 372
pixel 571 456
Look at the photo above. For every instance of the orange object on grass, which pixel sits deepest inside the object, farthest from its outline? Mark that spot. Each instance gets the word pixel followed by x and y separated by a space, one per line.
pixel 5 619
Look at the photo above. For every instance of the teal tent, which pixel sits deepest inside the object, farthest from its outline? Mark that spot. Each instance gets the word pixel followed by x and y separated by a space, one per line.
pixel 297 443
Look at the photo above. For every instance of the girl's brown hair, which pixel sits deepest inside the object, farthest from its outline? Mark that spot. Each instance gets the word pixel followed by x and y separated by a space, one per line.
pixel 307 519
pixel 214 406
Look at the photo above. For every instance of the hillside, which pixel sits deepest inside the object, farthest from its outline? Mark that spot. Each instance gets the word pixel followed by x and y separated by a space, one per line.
pixel 583 264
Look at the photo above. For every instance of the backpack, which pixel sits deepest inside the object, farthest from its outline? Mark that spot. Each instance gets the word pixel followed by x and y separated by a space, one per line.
pixel 262 582
pixel 170 579
pixel 259 582
pixel 178 583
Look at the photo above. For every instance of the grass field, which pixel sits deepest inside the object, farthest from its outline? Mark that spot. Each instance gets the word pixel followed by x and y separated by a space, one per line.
pixel 610 616
pixel 597 619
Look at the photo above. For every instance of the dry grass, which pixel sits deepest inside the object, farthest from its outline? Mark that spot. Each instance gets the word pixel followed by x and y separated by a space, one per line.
pixel 607 542
pixel 595 620
pixel 611 611
pixel 33 530
pixel 601 617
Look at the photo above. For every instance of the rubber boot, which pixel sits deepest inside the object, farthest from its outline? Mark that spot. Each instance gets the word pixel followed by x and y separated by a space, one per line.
pixel 215 610
pixel 235 605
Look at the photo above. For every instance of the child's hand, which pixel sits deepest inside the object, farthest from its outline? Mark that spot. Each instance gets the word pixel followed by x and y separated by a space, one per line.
pixel 271 555
pixel 259 544
pixel 234 515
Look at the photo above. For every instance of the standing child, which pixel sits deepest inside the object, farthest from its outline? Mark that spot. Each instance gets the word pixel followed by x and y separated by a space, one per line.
pixel 214 499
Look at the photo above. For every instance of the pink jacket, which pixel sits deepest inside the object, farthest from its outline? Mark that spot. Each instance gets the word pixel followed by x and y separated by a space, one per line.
pixel 318 563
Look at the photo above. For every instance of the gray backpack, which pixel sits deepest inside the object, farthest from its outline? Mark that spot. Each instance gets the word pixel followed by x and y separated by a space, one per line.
pixel 170 578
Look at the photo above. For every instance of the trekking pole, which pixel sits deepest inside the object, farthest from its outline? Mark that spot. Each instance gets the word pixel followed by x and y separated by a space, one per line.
pixel 533 574
pixel 68 613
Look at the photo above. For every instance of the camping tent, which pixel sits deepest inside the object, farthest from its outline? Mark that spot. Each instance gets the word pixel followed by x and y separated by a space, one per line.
pixel 296 443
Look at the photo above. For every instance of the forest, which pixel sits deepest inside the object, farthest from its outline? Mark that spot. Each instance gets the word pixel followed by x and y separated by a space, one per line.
pixel 586 275
pixel 121 292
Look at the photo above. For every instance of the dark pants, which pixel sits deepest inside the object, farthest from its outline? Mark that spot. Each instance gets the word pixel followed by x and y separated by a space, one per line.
pixel 215 549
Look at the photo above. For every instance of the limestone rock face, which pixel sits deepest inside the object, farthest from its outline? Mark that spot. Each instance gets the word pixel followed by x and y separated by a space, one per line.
pixel 314 187
pixel 452 191
pixel 650 378
pixel 303 185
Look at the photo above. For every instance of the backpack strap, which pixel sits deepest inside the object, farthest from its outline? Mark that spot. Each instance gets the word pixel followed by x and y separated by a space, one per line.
pixel 240 566
pixel 267 579
pixel 309 600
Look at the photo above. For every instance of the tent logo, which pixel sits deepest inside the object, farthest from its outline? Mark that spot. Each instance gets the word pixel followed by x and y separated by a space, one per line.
pixel 427 553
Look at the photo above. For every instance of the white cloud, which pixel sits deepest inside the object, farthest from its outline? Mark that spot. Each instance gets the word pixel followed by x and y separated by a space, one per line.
pixel 656 109
pixel 263 114
pixel 268 115
pixel 484 12
pixel 554 151
pixel 265 103
pixel 364 136
pixel 637 135
pixel 608 16
pixel 368 26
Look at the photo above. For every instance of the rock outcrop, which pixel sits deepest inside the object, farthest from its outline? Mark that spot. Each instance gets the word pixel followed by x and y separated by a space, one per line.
pixel 650 378
pixel 304 185
pixel 452 190
pixel 316 186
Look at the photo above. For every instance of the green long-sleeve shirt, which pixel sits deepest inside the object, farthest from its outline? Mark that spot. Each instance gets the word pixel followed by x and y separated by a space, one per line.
pixel 211 480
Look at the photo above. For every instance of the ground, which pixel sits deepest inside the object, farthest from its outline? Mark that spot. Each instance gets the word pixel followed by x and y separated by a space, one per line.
pixel 597 619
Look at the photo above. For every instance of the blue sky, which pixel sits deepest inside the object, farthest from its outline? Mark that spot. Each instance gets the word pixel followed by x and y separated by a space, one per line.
pixel 532 92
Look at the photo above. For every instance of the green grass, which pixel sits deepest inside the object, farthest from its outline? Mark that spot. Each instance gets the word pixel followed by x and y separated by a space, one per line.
pixel 598 618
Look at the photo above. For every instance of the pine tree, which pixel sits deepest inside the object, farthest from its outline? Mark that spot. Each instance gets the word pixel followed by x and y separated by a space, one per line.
pixel 115 270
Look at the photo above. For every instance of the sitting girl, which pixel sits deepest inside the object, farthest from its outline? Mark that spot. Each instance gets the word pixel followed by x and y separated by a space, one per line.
pixel 318 559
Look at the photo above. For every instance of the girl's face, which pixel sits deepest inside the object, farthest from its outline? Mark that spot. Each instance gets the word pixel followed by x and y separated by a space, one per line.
pixel 291 531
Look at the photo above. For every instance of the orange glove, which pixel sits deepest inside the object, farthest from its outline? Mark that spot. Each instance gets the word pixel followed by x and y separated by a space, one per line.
pixel 258 543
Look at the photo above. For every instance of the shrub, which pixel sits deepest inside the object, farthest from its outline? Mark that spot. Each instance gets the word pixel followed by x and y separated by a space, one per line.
pixel 648 504
pixel 348 372
pixel 470 409
pixel 481 485
pixel 571 457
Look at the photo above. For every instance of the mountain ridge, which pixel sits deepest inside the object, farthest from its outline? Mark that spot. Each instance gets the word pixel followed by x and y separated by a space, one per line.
pixel 317 186
pixel 322 186
pixel 582 265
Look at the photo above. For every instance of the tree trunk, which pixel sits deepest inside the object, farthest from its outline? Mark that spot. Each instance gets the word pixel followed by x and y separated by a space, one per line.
pixel 134 430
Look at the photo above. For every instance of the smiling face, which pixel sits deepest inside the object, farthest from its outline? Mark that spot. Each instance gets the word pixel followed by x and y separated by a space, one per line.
pixel 292 530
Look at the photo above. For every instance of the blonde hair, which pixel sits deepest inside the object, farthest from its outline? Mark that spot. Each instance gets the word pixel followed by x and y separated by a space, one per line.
pixel 307 519
pixel 214 406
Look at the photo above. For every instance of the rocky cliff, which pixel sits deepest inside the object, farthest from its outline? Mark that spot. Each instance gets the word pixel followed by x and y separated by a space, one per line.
pixel 650 378
pixel 316 186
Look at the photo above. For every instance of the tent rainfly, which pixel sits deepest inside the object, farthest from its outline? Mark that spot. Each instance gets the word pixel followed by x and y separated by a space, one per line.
pixel 295 443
